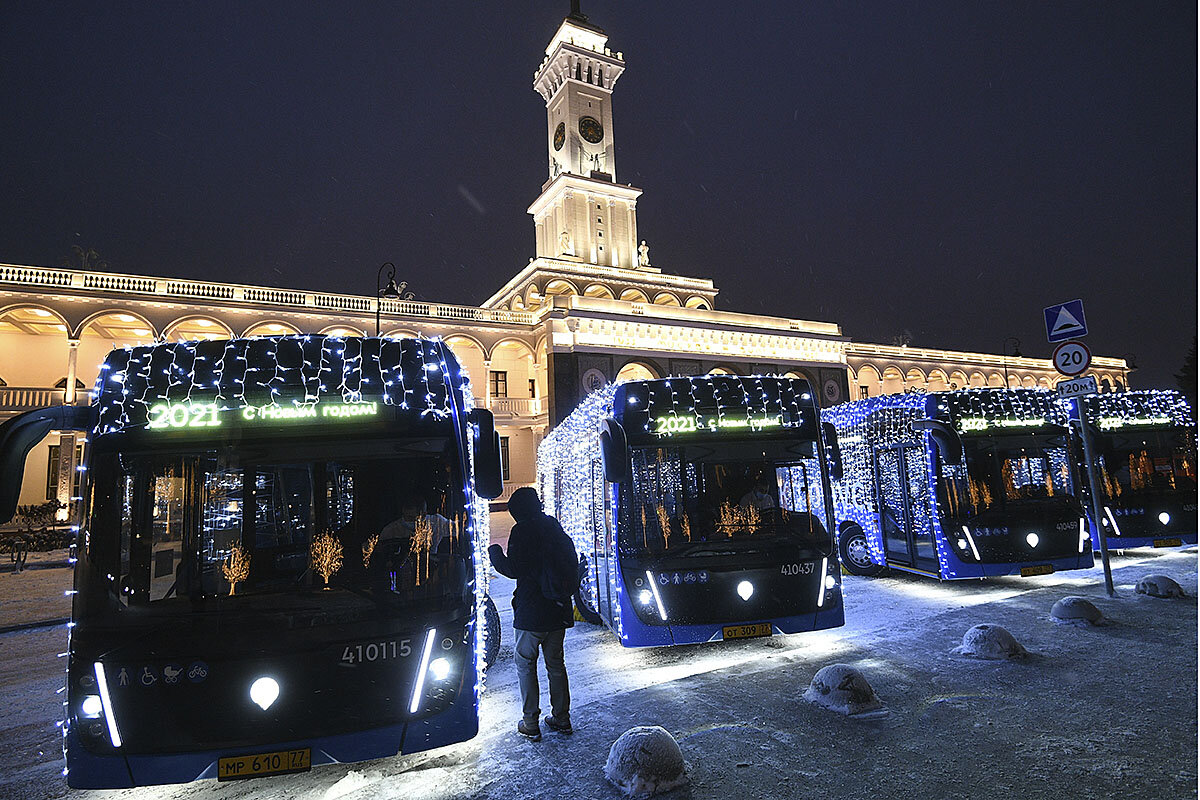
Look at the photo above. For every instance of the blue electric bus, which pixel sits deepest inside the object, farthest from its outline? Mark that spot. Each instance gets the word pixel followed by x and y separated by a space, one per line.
pixel 970 483
pixel 279 560
pixel 1144 469
pixel 701 506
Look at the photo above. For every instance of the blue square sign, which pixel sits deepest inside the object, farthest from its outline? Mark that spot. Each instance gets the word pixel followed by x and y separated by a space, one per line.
pixel 1065 321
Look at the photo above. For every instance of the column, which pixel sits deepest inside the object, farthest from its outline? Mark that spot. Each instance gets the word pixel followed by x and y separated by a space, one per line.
pixel 72 361
pixel 66 474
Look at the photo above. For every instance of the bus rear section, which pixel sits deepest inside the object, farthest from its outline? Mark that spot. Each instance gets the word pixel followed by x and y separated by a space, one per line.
pixel 279 560
pixel 962 484
pixel 702 507
pixel 1144 467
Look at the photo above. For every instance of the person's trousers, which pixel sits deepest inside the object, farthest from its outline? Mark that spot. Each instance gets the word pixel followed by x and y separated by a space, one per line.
pixel 525 657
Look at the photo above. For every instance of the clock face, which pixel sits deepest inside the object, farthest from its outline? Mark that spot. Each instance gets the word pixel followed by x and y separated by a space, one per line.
pixel 560 135
pixel 590 129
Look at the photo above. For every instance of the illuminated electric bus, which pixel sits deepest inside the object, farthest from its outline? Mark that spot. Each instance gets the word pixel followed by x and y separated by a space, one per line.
pixel 701 506
pixel 1145 467
pixel 278 562
pixel 970 483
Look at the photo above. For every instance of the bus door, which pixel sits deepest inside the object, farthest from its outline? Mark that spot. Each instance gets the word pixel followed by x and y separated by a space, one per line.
pixel 601 514
pixel 904 509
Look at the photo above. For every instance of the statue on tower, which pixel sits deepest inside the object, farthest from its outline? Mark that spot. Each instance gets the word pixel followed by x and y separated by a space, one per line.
pixel 643 255
pixel 565 245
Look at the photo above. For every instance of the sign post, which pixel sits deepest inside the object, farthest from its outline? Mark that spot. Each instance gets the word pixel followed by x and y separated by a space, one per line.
pixel 1089 455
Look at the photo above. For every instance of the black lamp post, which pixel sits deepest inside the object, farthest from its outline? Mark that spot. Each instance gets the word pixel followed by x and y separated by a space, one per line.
pixel 1130 366
pixel 391 291
pixel 1016 353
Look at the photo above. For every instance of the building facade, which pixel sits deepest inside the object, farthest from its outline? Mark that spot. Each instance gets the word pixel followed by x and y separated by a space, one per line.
pixel 590 308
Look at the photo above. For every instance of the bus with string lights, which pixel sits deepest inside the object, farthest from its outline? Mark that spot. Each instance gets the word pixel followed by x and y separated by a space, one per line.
pixel 279 561
pixel 972 483
pixel 1143 472
pixel 701 507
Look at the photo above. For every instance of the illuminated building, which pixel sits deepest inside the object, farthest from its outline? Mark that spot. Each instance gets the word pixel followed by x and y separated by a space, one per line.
pixel 589 308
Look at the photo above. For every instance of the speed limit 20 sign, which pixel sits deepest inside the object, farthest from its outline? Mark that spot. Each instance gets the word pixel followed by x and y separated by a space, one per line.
pixel 1072 358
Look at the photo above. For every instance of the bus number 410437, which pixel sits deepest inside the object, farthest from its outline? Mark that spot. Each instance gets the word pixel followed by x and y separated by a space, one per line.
pixel 805 568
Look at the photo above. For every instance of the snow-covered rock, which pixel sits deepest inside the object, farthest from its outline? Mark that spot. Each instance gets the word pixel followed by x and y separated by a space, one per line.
pixel 842 688
pixel 645 760
pixel 991 642
pixel 1157 585
pixel 352 782
pixel 1076 609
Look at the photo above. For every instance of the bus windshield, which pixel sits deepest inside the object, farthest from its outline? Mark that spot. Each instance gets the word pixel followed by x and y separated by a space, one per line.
pixel 1133 463
pixel 378 525
pixel 678 505
pixel 1006 471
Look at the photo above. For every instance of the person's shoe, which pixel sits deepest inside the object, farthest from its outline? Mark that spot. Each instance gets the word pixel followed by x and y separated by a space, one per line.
pixel 531 732
pixel 559 727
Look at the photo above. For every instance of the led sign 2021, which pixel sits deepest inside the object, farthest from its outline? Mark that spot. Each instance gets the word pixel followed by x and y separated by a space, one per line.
pixel 673 424
pixel 983 424
pixel 168 416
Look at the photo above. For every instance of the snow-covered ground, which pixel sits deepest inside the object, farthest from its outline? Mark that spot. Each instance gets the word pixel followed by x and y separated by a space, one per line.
pixel 1092 712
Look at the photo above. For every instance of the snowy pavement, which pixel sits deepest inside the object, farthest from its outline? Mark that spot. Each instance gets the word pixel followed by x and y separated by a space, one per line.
pixel 1093 712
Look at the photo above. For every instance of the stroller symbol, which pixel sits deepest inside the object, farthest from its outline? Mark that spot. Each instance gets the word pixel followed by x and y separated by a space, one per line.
pixel 172 673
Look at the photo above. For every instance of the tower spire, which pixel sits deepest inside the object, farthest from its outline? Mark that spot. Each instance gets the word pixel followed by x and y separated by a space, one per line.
pixel 576 13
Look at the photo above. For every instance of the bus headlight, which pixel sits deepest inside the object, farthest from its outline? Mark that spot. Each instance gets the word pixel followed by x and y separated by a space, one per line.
pixel 439 668
pixel 264 691
pixel 91 707
pixel 1032 539
pixel 745 589
pixel 645 597
pixel 1164 518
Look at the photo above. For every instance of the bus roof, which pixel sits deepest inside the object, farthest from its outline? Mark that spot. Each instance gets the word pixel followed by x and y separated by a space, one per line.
pixel 967 410
pixel 282 375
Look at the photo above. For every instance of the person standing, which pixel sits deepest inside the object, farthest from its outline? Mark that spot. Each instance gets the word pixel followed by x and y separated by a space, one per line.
pixel 542 560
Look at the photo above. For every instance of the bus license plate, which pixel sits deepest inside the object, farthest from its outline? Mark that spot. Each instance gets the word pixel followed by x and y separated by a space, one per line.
pixel 233 768
pixel 1168 542
pixel 1040 569
pixel 746 631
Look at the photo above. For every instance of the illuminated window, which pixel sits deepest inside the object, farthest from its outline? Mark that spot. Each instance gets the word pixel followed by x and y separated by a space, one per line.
pixel 864 392
pixel 504 473
pixel 498 381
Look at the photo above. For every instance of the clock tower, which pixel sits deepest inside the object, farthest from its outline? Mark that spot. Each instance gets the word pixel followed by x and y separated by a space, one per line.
pixel 582 213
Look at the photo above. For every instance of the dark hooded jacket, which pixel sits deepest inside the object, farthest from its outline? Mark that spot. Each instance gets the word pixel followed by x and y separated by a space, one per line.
pixel 527 545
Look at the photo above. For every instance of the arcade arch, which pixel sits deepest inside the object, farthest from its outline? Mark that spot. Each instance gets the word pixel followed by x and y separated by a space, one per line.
pixel 893 381
pixel 270 328
pixel 666 299
pixel 634 296
pixel 599 290
pixel 196 328
pixel 637 371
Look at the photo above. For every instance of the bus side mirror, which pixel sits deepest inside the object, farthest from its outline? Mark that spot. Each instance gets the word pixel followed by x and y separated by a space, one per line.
pixel 614 450
pixel 947 440
pixel 833 450
pixel 19 435
pixel 489 481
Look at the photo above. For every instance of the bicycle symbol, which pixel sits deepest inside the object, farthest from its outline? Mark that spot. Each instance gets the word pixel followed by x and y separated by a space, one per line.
pixel 197 671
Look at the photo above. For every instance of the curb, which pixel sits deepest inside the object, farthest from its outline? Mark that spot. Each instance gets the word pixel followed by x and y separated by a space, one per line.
pixel 24 626
pixel 37 565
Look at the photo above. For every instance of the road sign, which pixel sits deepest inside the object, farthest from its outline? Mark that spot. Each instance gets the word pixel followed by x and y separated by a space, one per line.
pixel 1072 358
pixel 1065 321
pixel 1078 387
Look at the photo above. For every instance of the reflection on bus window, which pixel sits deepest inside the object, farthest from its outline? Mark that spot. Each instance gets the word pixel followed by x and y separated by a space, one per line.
pixel 1001 472
pixel 373 526
pixel 675 504
pixel 1146 462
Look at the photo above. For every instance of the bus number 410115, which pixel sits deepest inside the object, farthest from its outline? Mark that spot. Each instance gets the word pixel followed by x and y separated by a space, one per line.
pixel 376 651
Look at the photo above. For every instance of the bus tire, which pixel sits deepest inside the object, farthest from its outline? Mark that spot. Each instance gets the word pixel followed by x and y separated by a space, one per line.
pixel 856 556
pixel 583 611
pixel 491 631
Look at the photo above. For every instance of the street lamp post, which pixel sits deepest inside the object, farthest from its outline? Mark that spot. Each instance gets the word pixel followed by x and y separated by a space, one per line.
pixel 391 291
pixel 1004 354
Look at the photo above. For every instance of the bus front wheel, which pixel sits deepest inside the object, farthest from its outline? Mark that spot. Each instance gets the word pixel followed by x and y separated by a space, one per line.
pixel 583 609
pixel 491 631
pixel 856 556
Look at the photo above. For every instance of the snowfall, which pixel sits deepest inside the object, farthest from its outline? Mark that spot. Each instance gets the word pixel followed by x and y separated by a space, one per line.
pixel 1103 710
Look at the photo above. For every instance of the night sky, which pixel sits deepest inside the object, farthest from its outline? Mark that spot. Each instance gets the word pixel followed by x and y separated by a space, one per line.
pixel 939 170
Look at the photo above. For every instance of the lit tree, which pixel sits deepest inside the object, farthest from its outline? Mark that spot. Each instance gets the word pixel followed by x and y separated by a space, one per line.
pixel 236 568
pixel 326 553
pixel 368 548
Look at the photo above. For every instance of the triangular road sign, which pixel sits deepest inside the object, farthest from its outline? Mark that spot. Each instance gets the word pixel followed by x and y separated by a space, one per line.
pixel 1065 321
